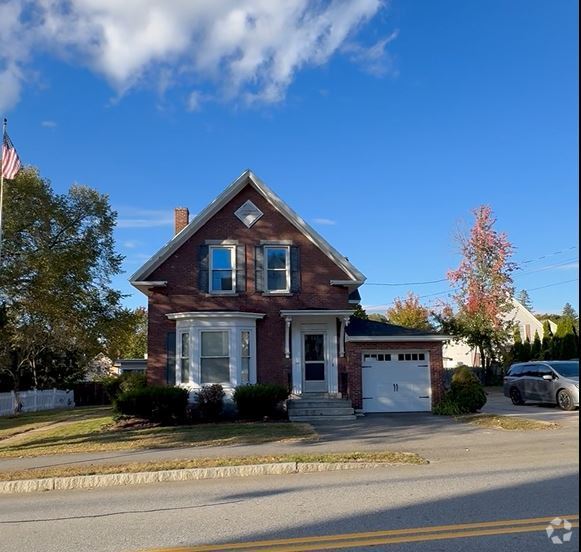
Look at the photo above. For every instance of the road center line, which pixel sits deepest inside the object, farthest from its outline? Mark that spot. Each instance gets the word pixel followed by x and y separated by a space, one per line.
pixel 392 536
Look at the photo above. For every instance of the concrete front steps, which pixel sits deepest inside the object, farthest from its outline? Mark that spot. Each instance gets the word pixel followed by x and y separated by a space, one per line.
pixel 319 407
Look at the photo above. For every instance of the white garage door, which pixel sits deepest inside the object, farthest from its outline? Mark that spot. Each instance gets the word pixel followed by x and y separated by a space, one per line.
pixel 395 381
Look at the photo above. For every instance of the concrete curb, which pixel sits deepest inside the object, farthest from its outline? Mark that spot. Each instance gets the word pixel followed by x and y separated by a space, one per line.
pixel 141 478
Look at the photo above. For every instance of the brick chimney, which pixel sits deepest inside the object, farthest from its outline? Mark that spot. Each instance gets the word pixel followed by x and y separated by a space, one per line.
pixel 181 219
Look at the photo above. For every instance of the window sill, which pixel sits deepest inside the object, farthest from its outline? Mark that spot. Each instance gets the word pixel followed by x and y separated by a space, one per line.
pixel 277 294
pixel 222 294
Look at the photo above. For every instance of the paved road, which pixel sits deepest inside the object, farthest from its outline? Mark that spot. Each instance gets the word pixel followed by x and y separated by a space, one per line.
pixel 475 476
pixel 283 507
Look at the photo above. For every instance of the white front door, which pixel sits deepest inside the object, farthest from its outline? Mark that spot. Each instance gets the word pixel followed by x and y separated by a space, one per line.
pixel 314 362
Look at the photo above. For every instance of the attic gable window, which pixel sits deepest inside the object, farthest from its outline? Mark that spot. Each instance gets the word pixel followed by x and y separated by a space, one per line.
pixel 277 269
pixel 222 269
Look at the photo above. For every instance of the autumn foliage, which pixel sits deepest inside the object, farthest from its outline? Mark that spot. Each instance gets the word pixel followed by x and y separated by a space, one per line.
pixel 484 288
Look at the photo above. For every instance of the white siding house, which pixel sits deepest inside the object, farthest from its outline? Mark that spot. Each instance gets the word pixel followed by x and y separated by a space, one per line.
pixel 458 352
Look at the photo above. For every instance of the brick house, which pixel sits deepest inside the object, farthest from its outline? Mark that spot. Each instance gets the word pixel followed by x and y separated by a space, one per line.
pixel 248 292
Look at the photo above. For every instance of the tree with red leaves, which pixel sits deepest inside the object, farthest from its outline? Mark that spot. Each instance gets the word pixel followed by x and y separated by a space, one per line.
pixel 484 289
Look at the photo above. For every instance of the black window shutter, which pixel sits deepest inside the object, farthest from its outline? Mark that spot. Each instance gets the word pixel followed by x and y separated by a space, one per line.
pixel 204 269
pixel 259 268
pixel 170 352
pixel 295 267
pixel 240 268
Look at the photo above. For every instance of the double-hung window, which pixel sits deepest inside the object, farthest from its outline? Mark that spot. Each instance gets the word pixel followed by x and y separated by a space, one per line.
pixel 185 357
pixel 222 269
pixel 245 357
pixel 215 357
pixel 277 269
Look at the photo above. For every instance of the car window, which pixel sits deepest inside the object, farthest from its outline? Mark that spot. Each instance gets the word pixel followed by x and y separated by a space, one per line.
pixel 567 369
pixel 515 371
pixel 545 371
pixel 531 371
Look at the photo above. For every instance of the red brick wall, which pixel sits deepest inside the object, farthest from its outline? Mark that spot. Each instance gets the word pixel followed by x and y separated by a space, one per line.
pixel 354 351
pixel 182 293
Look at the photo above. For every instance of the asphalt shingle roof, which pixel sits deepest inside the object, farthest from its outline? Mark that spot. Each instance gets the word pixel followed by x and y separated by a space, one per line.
pixel 371 328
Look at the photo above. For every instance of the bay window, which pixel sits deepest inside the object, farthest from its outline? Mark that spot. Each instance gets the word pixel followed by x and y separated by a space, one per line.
pixel 185 357
pixel 214 357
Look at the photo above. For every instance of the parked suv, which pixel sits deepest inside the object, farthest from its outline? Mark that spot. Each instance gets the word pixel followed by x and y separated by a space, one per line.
pixel 544 381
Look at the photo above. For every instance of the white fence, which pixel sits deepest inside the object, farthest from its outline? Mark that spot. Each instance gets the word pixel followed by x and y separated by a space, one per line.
pixel 32 401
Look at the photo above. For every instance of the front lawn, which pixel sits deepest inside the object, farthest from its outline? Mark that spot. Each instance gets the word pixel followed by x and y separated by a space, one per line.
pixel 94 429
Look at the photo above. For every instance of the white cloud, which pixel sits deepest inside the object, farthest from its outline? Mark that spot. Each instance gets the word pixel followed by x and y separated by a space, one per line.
pixel 130 217
pixel 324 221
pixel 131 244
pixel 248 49
pixel 48 124
pixel 376 59
pixel 195 100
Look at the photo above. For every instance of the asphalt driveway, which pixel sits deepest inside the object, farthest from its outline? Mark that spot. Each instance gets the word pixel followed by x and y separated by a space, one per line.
pixel 499 404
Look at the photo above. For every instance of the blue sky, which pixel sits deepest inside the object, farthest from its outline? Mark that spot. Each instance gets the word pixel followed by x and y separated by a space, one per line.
pixel 383 126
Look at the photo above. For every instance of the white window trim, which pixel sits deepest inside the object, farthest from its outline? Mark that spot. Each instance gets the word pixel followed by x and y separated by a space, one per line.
pixel 234 324
pixel 232 249
pixel 288 270
pixel 230 347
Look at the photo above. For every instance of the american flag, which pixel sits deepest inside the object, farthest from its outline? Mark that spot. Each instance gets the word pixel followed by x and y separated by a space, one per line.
pixel 10 160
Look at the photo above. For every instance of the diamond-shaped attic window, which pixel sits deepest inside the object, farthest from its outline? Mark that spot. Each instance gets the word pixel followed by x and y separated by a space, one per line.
pixel 248 213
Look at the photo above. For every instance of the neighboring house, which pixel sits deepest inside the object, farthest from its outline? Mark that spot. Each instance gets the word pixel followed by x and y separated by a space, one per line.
pixel 130 365
pixel 457 353
pixel 248 292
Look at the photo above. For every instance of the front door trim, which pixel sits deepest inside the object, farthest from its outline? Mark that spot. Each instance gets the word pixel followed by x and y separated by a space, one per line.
pixel 314 385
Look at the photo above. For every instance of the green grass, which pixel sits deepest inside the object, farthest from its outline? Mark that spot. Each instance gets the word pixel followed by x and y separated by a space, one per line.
pixel 22 423
pixel 94 429
pixel 388 458
pixel 509 423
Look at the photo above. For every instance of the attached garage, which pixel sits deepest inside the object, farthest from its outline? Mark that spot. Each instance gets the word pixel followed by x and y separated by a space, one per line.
pixel 396 381
pixel 391 368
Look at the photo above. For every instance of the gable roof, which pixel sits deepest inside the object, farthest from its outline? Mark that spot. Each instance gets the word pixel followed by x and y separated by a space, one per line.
pixel 360 329
pixel 139 278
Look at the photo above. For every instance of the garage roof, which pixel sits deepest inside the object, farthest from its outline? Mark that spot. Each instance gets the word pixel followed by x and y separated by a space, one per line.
pixel 370 330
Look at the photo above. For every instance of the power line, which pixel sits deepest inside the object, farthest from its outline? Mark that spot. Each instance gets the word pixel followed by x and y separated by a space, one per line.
pixel 428 282
pixel 555 284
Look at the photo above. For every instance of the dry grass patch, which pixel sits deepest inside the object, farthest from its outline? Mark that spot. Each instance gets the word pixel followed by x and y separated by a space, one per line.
pixel 95 430
pixel 388 458
pixel 509 423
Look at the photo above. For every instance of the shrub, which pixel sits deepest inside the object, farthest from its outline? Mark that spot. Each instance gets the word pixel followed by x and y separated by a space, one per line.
pixel 447 407
pixel 115 385
pixel 466 394
pixel 156 403
pixel 260 400
pixel 210 402
pixel 467 391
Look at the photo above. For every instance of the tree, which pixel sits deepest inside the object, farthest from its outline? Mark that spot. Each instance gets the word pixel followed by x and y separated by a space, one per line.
pixel 525 300
pixel 547 344
pixel 359 312
pixel 126 334
pixel 569 313
pixel 484 289
pixel 58 259
pixel 536 347
pixel 410 313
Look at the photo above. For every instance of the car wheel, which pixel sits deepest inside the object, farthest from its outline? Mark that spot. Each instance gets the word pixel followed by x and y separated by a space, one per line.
pixel 565 400
pixel 516 397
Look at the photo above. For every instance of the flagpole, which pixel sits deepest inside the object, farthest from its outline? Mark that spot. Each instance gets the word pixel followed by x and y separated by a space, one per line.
pixel 2 186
